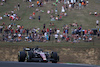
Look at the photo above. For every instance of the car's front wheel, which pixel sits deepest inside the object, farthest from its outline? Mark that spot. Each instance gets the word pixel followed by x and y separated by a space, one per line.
pixel 21 56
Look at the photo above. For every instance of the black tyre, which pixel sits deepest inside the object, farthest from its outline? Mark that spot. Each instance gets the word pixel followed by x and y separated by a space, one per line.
pixel 21 56
pixel 30 55
pixel 55 57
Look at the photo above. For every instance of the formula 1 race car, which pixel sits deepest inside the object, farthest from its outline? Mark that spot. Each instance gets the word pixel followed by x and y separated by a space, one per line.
pixel 37 55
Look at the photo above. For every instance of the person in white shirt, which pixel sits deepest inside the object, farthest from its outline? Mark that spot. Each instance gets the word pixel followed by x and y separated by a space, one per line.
pixel 32 5
pixel 69 6
pixel 1 18
pixel 56 37
pixel 67 2
pixel 58 31
pixel 97 22
pixel 95 13
pixel 30 0
pixel 87 2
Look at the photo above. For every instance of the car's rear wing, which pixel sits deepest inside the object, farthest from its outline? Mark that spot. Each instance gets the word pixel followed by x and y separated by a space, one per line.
pixel 27 49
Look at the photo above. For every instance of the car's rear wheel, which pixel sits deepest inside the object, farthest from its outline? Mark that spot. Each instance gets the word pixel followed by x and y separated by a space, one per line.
pixel 55 57
pixel 21 56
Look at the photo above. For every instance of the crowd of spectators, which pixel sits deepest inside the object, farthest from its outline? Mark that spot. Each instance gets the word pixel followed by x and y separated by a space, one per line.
pixel 17 33
pixel 9 34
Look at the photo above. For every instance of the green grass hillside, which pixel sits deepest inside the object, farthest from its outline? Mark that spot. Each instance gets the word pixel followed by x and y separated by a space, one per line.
pixel 82 16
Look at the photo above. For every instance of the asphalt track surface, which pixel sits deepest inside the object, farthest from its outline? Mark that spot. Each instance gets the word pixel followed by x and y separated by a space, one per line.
pixel 28 64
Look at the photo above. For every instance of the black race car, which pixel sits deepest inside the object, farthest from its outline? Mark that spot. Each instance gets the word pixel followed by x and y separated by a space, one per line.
pixel 37 55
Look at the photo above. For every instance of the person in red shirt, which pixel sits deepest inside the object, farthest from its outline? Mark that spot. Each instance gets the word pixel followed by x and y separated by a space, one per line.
pixel 47 30
pixel 85 31
pixel 11 31
pixel 16 31
pixel 33 15
pixel 67 39
pixel 23 31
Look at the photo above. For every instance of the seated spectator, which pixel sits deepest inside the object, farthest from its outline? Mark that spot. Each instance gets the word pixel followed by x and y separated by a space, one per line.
pixel 12 12
pixel 56 18
pixel 1 4
pixel 3 23
pixel 37 10
pixel 60 18
pixel 90 39
pixel 65 14
pixel 34 14
pixel 41 4
pixel 30 17
pixel 32 5
pixel 50 24
pixel 53 19
pixel 58 41
pixel 38 3
pixel 19 37
pixel 41 11
pixel 67 39
pixel 95 13
pixel 48 12
pixel 51 11
pixel 3 0
pixel 15 8
pixel 56 11
pixel 18 26
pixel 54 4
pixel 1 18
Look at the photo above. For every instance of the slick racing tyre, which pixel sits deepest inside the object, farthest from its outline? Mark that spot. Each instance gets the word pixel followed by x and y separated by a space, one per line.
pixel 55 57
pixel 21 56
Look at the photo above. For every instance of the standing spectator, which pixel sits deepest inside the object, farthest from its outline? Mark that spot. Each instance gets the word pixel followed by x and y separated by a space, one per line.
pixel 16 31
pixel 56 1
pixel 27 31
pixel 15 8
pixel 58 31
pixel 56 10
pixel 56 37
pixel 21 31
pixel 39 18
pixel 38 3
pixel 97 22
pixel 87 2
pixel 79 5
pixel 1 28
pixel 82 4
pixel 70 7
pixel 44 26
pixel 30 32
pixel 18 6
